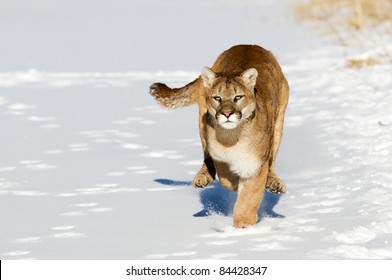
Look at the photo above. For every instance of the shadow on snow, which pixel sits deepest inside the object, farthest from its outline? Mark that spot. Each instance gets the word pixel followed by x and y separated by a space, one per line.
pixel 218 200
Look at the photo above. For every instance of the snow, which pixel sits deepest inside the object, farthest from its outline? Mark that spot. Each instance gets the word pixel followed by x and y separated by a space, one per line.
pixel 92 168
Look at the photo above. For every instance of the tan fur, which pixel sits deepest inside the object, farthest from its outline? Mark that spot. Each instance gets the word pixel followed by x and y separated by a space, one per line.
pixel 242 100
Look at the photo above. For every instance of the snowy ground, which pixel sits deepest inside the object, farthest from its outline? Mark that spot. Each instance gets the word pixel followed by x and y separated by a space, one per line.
pixel 92 168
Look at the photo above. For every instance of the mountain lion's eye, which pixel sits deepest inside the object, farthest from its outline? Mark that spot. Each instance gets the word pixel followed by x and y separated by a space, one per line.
pixel 238 97
pixel 217 98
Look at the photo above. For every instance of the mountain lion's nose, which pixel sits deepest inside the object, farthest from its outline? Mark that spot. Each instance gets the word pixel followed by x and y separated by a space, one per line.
pixel 227 114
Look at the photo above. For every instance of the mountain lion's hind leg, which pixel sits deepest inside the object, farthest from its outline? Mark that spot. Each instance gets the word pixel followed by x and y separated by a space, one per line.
pixel 274 183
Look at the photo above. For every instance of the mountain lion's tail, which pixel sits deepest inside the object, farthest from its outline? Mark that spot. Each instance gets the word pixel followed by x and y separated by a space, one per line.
pixel 173 98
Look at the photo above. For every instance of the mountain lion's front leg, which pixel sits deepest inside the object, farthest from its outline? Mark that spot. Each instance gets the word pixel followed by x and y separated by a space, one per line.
pixel 205 175
pixel 207 171
pixel 250 194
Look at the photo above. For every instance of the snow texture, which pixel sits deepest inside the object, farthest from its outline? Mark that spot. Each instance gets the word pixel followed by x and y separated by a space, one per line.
pixel 92 168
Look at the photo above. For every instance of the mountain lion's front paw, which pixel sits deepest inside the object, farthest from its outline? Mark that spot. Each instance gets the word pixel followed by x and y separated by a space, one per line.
pixel 202 179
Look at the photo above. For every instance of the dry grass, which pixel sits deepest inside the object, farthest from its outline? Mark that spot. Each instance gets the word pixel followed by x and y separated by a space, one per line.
pixel 350 20
pixel 360 63
pixel 354 14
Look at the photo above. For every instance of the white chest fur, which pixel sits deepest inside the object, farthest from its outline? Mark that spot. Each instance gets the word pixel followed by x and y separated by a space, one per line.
pixel 240 158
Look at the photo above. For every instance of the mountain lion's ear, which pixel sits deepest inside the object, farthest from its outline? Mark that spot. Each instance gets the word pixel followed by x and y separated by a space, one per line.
pixel 208 77
pixel 249 77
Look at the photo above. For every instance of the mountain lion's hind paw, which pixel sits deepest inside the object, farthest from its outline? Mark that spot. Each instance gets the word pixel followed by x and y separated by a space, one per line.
pixel 276 185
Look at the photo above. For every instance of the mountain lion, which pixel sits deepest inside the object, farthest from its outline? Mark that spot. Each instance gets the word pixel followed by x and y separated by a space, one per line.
pixel 242 100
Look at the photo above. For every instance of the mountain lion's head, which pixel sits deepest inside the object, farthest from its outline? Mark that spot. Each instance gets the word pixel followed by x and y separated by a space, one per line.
pixel 230 99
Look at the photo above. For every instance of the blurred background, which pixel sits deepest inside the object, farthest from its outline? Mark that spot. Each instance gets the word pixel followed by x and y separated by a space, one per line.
pixel 99 35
